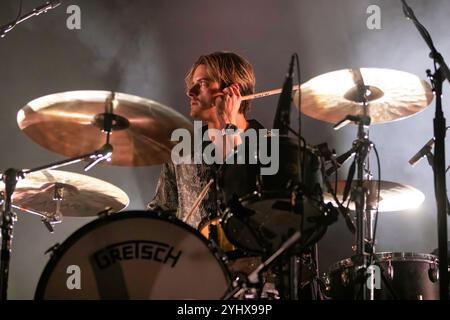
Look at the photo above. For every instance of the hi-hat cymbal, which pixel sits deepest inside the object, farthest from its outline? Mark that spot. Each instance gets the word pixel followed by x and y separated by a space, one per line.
pixel 393 196
pixel 391 95
pixel 70 124
pixel 82 196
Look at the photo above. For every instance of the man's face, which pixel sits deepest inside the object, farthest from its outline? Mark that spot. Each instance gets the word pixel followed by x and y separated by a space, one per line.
pixel 201 94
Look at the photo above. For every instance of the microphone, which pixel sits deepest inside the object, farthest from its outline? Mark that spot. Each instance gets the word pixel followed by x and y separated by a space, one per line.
pixel 282 116
pixel 424 151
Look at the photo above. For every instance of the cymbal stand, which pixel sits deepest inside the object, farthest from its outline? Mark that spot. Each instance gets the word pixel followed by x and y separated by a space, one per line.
pixel 11 176
pixel 362 147
pixel 359 194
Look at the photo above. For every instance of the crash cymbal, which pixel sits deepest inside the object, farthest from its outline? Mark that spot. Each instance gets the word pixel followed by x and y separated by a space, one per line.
pixel 393 196
pixel 82 196
pixel 391 94
pixel 70 124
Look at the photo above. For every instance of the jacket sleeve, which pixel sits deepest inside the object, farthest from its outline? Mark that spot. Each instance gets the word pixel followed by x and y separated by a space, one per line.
pixel 166 195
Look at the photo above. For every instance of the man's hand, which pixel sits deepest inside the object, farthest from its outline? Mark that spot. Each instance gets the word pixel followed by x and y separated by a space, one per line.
pixel 228 103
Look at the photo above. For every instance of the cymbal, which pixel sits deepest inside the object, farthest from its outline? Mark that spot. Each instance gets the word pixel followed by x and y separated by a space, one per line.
pixel 393 196
pixel 391 94
pixel 70 123
pixel 82 196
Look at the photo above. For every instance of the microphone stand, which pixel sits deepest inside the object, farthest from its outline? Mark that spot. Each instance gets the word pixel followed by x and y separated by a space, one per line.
pixel 35 12
pixel 439 124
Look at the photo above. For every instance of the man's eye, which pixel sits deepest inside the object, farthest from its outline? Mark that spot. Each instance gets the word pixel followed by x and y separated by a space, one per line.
pixel 203 83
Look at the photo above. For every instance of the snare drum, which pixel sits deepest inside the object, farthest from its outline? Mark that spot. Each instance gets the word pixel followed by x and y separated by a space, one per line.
pixel 411 276
pixel 135 255
pixel 213 231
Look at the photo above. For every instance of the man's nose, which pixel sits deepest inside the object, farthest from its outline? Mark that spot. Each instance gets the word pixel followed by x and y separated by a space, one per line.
pixel 192 92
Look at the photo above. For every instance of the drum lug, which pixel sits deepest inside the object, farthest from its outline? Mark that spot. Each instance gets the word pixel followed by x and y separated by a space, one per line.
pixel 105 213
pixel 433 273
pixel 345 277
pixel 52 250
pixel 390 270
pixel 326 282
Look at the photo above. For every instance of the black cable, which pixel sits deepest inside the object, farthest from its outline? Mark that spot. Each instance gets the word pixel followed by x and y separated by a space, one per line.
pixel 299 97
pixel 299 134
pixel 378 204
pixel 19 13
pixel 372 252
pixel 301 163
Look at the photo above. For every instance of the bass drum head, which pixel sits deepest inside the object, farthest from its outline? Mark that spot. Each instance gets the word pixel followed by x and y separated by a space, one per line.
pixel 134 255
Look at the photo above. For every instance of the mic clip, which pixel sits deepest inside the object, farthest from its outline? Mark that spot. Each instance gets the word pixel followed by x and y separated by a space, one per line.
pixel 424 151
pixel 364 120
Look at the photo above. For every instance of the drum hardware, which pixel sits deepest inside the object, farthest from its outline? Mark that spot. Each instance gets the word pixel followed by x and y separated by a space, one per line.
pixel 441 73
pixel 10 178
pixel 258 221
pixel 364 97
pixel 53 249
pixel 107 212
pixel 283 204
pixel 362 145
pixel 242 282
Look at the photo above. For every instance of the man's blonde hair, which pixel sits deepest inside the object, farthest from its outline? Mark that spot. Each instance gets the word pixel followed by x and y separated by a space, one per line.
pixel 227 68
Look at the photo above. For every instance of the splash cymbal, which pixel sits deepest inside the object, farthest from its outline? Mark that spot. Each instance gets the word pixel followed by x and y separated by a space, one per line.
pixel 71 123
pixel 81 196
pixel 393 196
pixel 391 95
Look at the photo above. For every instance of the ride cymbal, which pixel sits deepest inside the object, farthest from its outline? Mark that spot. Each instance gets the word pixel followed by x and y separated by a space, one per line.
pixel 391 95
pixel 71 123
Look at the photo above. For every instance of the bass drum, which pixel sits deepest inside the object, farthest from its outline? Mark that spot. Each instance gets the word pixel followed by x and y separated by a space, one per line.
pixel 411 276
pixel 135 255
pixel 261 221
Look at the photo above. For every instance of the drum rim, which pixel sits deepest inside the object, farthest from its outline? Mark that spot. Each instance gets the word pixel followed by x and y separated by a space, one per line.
pixel 223 221
pixel 388 256
pixel 74 237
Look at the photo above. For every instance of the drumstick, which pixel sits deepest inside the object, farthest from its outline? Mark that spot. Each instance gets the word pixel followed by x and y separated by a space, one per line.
pixel 267 93
pixel 199 199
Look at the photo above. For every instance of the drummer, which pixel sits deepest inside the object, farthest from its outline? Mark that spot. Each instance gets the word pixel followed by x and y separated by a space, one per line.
pixel 215 85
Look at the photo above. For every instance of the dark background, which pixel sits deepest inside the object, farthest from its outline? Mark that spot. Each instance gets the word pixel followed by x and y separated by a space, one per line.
pixel 145 48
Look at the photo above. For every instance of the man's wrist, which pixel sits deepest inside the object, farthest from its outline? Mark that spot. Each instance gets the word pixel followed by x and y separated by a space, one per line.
pixel 230 129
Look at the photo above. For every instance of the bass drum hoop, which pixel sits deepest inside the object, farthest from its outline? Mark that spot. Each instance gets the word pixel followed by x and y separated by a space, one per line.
pixel 63 248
